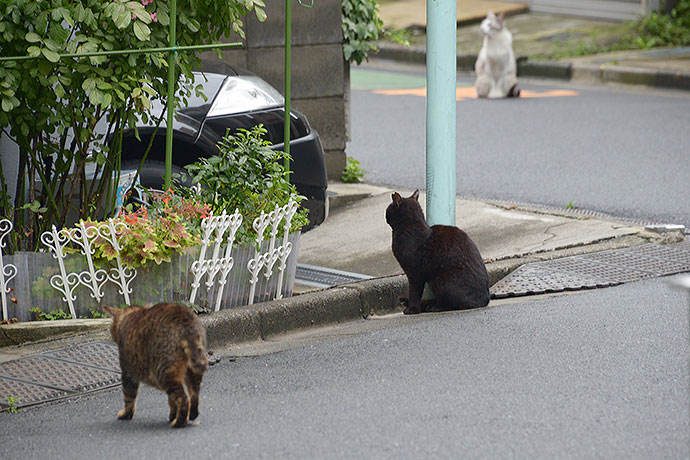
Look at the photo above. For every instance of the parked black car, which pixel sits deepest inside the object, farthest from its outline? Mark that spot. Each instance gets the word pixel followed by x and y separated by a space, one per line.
pixel 236 99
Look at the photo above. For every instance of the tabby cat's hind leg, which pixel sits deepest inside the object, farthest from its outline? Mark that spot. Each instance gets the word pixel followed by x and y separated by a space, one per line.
pixel 130 388
pixel 178 399
pixel 194 386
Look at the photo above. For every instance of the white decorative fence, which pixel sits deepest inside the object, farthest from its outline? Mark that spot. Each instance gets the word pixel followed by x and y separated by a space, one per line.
pixel 215 274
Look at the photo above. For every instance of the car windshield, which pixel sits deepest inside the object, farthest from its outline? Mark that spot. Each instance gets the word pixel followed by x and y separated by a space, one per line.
pixel 244 93
pixel 210 84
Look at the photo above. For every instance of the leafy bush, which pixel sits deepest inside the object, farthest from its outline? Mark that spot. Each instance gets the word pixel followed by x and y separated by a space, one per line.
pixel 52 315
pixel 658 29
pixel 56 314
pixel 353 171
pixel 652 30
pixel 50 105
pixel 247 175
pixel 361 26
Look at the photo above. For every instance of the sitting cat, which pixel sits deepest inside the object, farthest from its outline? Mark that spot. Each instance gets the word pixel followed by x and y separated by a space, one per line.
pixel 442 255
pixel 163 346
pixel 496 67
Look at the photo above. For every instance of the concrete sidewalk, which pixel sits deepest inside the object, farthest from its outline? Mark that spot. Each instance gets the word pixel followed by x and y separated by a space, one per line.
pixel 537 40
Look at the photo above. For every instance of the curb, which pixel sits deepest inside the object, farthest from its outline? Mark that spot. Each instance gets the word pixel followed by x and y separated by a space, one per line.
pixel 560 70
pixel 339 304
pixel 319 308
pixel 34 331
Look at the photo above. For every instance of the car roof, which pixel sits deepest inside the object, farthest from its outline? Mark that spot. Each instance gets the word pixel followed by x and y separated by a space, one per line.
pixel 216 66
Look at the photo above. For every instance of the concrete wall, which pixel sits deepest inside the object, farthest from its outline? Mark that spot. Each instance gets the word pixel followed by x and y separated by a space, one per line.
pixel 601 9
pixel 320 75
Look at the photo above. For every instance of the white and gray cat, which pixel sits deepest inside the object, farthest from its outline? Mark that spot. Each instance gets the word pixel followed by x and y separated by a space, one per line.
pixel 496 67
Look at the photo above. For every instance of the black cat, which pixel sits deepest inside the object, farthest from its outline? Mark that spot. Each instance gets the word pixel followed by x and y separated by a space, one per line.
pixel 442 255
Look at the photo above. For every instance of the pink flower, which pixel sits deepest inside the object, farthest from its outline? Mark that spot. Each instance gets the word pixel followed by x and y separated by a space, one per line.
pixel 154 17
pixel 146 2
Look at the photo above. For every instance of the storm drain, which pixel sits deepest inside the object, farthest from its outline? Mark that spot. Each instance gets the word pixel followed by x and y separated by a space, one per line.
pixel 323 277
pixel 59 373
pixel 589 271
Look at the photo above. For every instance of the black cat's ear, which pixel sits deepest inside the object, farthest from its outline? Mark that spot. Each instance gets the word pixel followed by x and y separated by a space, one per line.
pixel 396 198
pixel 415 195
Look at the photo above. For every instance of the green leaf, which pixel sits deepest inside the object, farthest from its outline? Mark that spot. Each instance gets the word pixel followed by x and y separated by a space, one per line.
pixel 52 56
pixel 59 91
pixel 32 37
pixel 89 84
pixel 163 18
pixel 6 105
pixel 142 31
pixel 122 19
pixel 193 25
pixel 260 14
pixel 142 15
pixel 107 100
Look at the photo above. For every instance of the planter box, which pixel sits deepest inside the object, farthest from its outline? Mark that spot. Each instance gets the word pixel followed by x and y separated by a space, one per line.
pixel 169 282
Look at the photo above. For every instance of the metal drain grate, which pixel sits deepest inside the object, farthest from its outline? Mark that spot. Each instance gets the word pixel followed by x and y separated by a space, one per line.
pixel 26 394
pixel 98 354
pixel 532 279
pixel 322 277
pixel 60 373
pixel 589 271
pixel 596 269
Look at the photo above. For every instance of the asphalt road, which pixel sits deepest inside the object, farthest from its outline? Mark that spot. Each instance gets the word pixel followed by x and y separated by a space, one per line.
pixel 598 374
pixel 617 150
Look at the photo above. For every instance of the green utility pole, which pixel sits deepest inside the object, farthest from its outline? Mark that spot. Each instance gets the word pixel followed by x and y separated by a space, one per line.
pixel 288 71
pixel 440 111
pixel 171 95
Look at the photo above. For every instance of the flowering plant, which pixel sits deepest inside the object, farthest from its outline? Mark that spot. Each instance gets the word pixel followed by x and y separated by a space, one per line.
pixel 169 224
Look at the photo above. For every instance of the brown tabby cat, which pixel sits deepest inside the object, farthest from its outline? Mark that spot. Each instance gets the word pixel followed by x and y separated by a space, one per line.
pixel 163 346
pixel 442 255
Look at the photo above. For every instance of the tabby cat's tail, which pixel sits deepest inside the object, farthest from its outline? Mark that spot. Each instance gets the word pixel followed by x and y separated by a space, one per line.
pixel 196 356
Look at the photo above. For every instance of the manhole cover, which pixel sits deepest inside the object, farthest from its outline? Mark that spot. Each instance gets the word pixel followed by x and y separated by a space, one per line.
pixel 311 275
pixel 600 269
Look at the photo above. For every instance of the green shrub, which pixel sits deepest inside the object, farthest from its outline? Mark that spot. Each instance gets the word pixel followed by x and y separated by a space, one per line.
pixel 49 105
pixel 247 175
pixel 652 30
pixel 353 172
pixel 361 27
